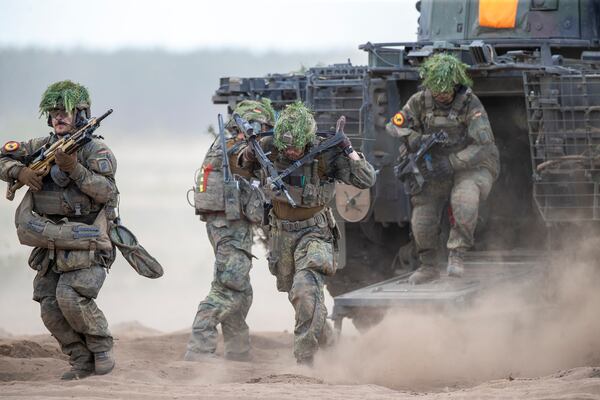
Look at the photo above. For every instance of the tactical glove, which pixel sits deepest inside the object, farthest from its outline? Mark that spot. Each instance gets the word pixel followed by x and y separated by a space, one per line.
pixel 66 162
pixel 346 145
pixel 31 178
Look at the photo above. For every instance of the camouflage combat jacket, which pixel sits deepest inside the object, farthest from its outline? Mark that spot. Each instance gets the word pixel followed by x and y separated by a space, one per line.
pixel 91 185
pixel 312 185
pixel 471 141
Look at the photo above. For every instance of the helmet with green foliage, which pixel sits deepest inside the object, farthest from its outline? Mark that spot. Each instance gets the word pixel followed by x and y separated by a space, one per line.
pixel 256 111
pixel 295 127
pixel 442 72
pixel 66 95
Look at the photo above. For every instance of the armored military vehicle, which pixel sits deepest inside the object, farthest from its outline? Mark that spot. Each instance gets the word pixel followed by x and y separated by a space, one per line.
pixel 536 68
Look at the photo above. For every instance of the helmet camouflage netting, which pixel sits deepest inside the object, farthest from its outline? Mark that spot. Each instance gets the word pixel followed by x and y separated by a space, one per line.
pixel 442 72
pixel 297 120
pixel 254 110
pixel 65 95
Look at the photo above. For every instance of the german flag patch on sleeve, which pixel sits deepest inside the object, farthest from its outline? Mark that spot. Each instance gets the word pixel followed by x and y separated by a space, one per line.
pixel 11 146
pixel 398 119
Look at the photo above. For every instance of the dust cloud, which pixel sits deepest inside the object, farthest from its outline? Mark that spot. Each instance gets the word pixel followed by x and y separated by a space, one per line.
pixel 530 329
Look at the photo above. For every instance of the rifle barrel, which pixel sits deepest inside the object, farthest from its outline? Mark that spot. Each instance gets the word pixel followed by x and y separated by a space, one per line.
pixel 106 114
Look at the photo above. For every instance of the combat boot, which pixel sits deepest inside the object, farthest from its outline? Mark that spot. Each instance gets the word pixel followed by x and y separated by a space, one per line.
pixel 78 372
pixel 198 356
pixel 307 361
pixel 104 362
pixel 424 274
pixel 244 356
pixel 456 264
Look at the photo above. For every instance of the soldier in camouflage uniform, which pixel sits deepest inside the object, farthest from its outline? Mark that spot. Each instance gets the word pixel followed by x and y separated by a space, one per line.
pixel 461 171
pixel 230 296
pixel 79 188
pixel 303 238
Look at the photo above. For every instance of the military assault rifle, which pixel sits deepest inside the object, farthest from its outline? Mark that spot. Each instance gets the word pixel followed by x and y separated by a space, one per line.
pixel 328 143
pixel 231 187
pixel 43 159
pixel 273 181
pixel 409 171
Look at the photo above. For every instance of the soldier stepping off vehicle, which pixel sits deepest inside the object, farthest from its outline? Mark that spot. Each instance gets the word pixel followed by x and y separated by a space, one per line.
pixel 460 170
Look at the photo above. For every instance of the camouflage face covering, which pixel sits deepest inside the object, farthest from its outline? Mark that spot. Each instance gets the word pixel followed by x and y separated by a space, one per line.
pixel 64 95
pixel 296 127
pixel 256 111
pixel 442 72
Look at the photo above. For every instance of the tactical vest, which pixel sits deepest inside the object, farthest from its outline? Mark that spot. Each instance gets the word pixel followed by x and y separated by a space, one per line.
pixel 452 120
pixel 56 202
pixel 308 186
pixel 70 202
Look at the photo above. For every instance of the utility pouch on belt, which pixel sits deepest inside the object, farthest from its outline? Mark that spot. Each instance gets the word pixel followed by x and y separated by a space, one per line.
pixel 253 201
pixel 135 254
pixel 37 231
pixel 335 231
pixel 209 190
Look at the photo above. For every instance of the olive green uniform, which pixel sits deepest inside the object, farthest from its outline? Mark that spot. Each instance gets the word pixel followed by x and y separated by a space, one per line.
pixel 68 281
pixel 303 239
pixel 474 158
pixel 230 296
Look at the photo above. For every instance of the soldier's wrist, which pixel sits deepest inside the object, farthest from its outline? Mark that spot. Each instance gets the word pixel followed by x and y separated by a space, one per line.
pixel 15 171
pixel 77 172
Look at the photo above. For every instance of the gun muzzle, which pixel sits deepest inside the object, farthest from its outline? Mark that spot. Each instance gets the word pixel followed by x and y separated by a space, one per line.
pixel 244 125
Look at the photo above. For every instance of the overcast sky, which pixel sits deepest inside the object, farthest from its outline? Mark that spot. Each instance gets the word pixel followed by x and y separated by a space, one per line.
pixel 180 25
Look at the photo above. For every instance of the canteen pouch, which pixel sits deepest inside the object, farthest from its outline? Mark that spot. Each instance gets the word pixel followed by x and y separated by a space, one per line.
pixel 71 260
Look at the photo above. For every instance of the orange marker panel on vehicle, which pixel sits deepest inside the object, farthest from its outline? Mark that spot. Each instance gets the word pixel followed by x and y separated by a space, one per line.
pixel 498 13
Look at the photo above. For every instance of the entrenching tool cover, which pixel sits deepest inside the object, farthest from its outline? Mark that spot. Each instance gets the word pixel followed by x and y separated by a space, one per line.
pixel 135 254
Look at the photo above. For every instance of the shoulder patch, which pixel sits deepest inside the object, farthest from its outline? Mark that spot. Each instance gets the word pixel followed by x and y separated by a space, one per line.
pixel 11 146
pixel 101 165
pixel 399 119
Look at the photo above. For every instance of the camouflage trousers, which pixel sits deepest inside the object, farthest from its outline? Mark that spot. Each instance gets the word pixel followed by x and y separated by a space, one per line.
pixel 464 193
pixel 230 296
pixel 300 260
pixel 68 309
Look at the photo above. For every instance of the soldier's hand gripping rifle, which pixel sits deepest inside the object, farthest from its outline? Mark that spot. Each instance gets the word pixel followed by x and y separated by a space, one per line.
pixel 43 159
pixel 273 180
pixel 230 185
pixel 409 171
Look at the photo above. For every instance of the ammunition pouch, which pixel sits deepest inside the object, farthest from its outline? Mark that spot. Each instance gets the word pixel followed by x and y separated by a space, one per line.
pixel 37 231
pixel 135 254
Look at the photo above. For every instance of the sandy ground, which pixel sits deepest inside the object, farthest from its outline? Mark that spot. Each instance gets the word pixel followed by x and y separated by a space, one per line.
pixel 150 367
